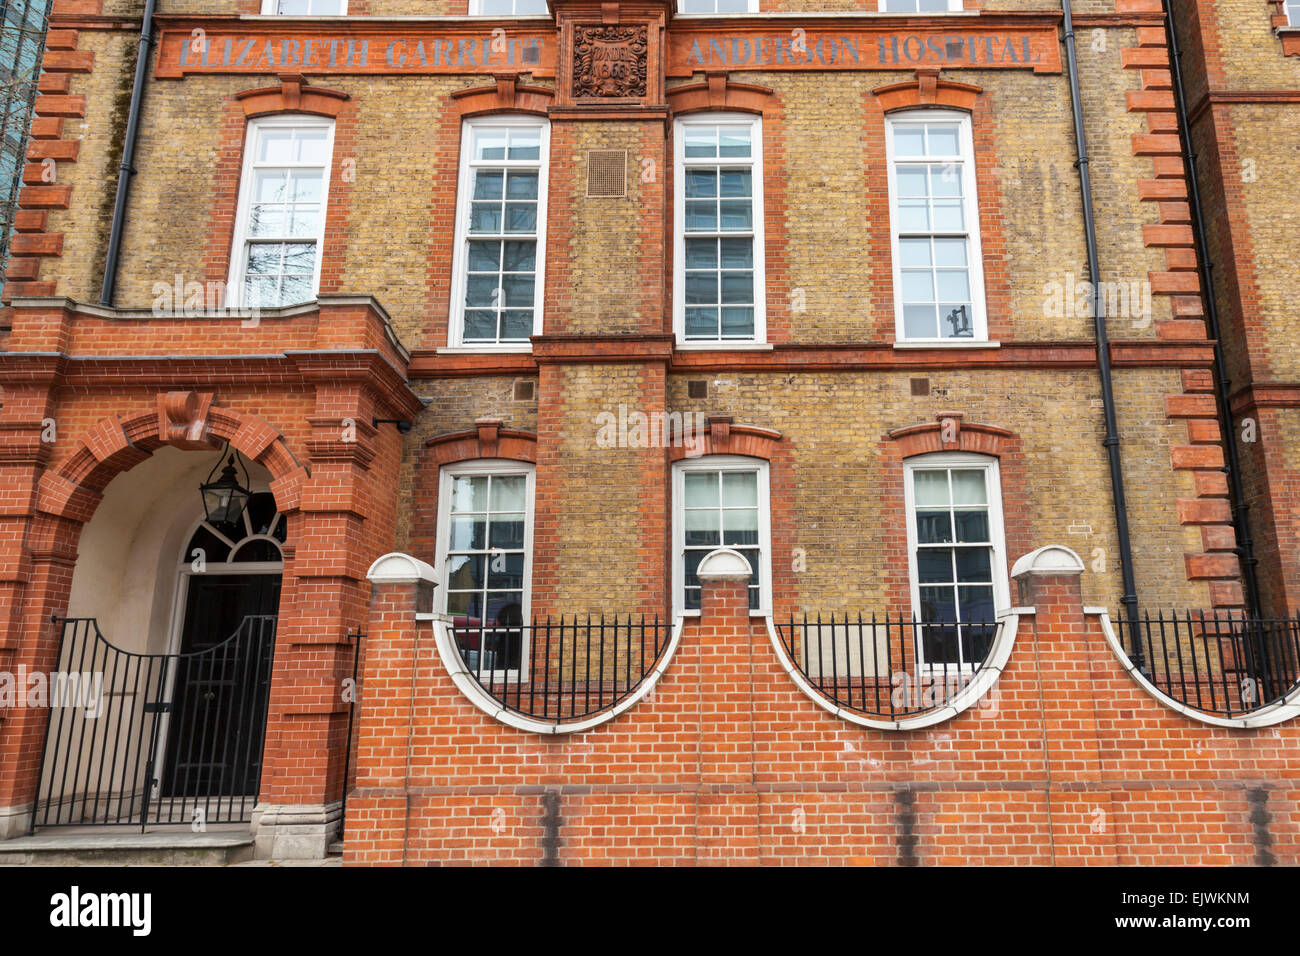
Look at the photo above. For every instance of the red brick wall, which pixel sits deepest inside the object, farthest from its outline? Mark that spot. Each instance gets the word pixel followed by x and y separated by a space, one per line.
pixel 1067 761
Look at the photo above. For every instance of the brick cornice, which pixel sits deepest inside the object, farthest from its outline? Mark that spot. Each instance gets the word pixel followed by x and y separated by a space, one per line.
pixel 927 90
pixel 506 95
pixel 719 93
pixel 486 440
pixel 1265 395
pixel 949 433
pixel 293 95
pixel 725 438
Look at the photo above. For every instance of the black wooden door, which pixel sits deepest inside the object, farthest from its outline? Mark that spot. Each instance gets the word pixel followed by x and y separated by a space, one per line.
pixel 217 712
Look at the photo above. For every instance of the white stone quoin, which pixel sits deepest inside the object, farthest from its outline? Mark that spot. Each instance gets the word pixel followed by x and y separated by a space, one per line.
pixel 724 564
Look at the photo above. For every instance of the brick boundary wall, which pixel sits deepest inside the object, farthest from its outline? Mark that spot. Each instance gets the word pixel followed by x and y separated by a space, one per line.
pixel 1066 761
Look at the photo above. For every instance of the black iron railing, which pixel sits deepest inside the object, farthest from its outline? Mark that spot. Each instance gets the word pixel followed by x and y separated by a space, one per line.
pixel 141 739
pixel 561 671
pixel 887 667
pixel 1218 662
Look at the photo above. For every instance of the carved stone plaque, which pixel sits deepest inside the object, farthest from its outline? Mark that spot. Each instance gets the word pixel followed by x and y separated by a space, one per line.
pixel 609 62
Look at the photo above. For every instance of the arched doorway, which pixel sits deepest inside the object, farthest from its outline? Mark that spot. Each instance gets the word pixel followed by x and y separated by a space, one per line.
pixel 229 574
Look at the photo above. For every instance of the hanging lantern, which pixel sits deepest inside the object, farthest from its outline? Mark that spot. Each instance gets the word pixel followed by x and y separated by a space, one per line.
pixel 225 499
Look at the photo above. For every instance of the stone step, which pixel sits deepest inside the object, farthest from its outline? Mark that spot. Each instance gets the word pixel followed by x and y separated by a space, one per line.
pixel 86 846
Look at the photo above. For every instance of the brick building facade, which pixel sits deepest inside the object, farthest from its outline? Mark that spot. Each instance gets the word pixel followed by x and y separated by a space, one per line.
pixel 591 313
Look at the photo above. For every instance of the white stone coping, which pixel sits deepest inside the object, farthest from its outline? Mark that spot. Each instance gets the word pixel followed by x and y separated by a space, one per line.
pixel 1274 713
pixel 724 564
pixel 398 568
pixel 484 701
pixel 981 681
pixel 1049 559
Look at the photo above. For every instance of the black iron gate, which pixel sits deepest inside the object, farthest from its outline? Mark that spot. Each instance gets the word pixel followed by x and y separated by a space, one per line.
pixel 154 739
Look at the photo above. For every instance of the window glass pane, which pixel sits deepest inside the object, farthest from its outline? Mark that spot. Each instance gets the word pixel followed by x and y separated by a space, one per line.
pixel 516 324
pixel 517 290
pixel 735 182
pixel 275 146
pixel 739 526
pixel 489 143
pixel 938 604
pixel 310 146
pixel 701 216
pixel 920 322
pixel 495 7
pixel 918 286
pixel 738 321
pixel 506 531
pixel 909 140
pixel 732 6
pixel 954 286
pixel 737 287
pixel 931 488
pixel 488 183
pixel 701 529
pixel 522 184
pixel 485 256
pixel 485 217
pixel 948 215
pixel 945 180
pixel 915 252
pixel 701 288
pixel 520 256
pixel 701 141
pixel 521 217
pixel 736 215
pixel 505 571
pixel 934 565
pixel 701 489
pixel 933 527
pixel 509 492
pixel 701 183
pixel 702 253
pixel 976 603
pixel 972 525
pixel 525 143
pixel 739 489
pixel 464 572
pixel 702 322
pixel 911 181
pixel 973 564
pixel 737 253
pixel 949 252
pixel 943 140
pixel 733 140
pixel 468 533
pixel 968 487
pixel 469 493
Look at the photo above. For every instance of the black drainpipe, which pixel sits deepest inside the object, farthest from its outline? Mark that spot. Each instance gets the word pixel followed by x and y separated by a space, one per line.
pixel 127 169
pixel 1129 600
pixel 1222 384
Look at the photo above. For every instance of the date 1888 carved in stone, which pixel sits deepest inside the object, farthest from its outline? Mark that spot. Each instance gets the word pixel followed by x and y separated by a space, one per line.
pixel 609 62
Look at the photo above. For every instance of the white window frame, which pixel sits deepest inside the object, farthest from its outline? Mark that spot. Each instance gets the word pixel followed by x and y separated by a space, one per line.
pixel 239 248
pixel 750 7
pixel 271 8
pixel 679 228
pixel 954 6
pixel 476 10
pixel 721 463
pixel 970 211
pixel 460 254
pixel 487 466
pixel 997 535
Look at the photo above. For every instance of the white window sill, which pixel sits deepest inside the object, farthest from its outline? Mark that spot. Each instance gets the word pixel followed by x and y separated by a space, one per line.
pixel 724 346
pixel 948 344
pixel 486 350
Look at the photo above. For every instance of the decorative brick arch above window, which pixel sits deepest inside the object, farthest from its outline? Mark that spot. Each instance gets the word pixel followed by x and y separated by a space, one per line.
pixel 719 94
pixel 724 438
pixel 507 96
pixel 293 95
pixel 486 440
pixel 927 90
pixel 948 433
